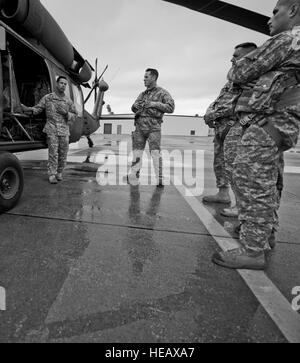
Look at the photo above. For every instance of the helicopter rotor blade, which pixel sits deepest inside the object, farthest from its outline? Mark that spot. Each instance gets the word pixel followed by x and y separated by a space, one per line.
pixel 228 12
pixel 96 77
pixel 96 84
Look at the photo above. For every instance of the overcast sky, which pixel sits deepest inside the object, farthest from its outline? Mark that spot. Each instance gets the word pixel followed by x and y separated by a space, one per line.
pixel 191 50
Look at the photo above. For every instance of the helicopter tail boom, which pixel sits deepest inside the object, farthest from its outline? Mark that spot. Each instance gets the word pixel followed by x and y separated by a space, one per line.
pixel 34 20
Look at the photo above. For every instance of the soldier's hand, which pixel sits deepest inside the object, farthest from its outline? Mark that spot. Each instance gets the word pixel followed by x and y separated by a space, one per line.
pixel 27 110
pixel 150 104
pixel 62 110
pixel 211 124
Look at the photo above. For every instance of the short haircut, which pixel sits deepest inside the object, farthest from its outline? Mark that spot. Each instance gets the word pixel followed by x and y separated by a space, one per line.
pixel 153 72
pixel 246 45
pixel 61 77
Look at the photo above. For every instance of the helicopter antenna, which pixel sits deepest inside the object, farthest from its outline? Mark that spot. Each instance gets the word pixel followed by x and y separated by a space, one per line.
pixel 95 85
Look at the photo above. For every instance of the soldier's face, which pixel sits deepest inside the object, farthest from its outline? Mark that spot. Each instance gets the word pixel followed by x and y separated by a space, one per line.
pixel 149 79
pixel 240 53
pixel 280 20
pixel 62 85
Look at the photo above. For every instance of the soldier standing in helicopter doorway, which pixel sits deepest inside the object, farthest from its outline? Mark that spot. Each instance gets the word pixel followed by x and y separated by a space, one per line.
pixel 60 112
pixel 149 109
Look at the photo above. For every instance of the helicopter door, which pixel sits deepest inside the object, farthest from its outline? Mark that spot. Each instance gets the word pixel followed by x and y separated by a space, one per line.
pixel 10 95
pixel 10 100
pixel 76 128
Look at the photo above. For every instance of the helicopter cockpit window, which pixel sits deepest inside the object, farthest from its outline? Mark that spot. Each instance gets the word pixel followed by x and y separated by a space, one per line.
pixel 78 99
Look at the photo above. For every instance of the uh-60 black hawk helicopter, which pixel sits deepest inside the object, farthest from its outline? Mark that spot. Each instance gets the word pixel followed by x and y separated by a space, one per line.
pixel 34 51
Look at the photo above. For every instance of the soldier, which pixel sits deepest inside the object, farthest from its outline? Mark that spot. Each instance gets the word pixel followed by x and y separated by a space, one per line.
pixel 220 116
pixel 270 115
pixel 60 112
pixel 149 109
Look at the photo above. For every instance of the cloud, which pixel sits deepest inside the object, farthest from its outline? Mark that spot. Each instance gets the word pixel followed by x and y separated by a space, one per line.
pixel 192 51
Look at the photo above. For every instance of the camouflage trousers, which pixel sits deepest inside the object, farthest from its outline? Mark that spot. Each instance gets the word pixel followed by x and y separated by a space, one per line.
pixel 139 140
pixel 256 183
pixel 230 153
pixel 230 150
pixel 58 150
pixel 219 161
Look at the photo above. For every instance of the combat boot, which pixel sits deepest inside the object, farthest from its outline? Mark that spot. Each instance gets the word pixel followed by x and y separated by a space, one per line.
pixel 52 179
pixel 230 212
pixel 160 183
pixel 222 197
pixel 241 258
pixel 59 177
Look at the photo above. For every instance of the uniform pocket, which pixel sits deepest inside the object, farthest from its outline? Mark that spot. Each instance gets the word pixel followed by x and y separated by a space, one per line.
pixel 266 92
pixel 256 135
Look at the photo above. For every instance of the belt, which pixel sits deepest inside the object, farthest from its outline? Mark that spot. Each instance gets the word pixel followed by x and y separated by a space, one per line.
pixel 267 126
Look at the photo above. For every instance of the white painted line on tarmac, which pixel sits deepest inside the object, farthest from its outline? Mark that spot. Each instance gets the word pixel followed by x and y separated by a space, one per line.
pixel 292 169
pixel 276 305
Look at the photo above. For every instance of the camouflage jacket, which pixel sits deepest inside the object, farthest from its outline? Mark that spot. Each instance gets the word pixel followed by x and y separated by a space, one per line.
pixel 222 109
pixel 60 111
pixel 151 118
pixel 268 73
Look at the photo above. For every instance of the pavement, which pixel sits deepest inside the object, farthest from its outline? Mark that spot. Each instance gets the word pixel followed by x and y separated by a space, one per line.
pixel 82 261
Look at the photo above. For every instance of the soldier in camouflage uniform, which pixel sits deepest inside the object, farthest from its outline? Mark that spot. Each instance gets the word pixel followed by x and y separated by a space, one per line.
pixel 220 116
pixel 269 111
pixel 60 112
pixel 149 109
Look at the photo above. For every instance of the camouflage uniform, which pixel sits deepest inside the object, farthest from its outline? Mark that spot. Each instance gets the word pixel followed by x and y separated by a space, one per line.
pixel 270 114
pixel 148 126
pixel 231 143
pixel 230 149
pixel 60 111
pixel 220 113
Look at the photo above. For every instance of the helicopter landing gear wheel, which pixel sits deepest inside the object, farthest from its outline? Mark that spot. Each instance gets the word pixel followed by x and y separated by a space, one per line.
pixel 11 181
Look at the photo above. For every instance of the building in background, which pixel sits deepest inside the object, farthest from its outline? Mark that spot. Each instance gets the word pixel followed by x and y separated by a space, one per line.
pixel 174 125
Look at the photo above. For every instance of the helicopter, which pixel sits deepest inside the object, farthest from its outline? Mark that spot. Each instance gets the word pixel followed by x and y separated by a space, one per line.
pixel 34 52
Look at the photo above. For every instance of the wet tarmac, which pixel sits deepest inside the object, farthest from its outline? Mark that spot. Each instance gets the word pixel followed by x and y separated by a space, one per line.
pixel 82 262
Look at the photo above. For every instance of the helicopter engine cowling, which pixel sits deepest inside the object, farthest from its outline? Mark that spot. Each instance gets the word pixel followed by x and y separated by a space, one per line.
pixel 32 16
pixel 85 73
